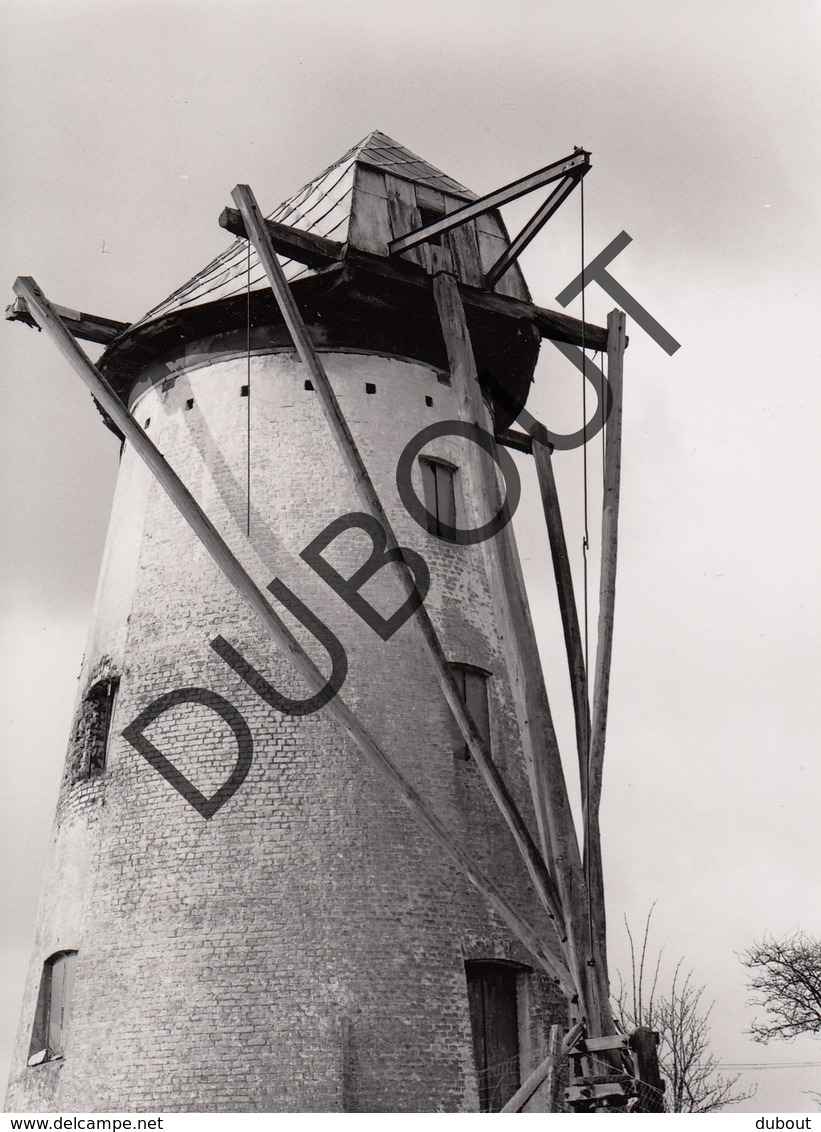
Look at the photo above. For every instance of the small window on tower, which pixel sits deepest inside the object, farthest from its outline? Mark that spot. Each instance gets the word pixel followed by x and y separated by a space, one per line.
pixel 48 1036
pixel 98 713
pixel 472 683
pixel 430 216
pixel 438 485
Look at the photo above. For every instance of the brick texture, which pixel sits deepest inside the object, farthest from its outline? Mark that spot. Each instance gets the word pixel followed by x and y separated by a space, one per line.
pixel 304 949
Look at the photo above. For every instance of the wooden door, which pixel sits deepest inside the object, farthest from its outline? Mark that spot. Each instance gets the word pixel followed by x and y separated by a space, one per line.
pixel 494 1019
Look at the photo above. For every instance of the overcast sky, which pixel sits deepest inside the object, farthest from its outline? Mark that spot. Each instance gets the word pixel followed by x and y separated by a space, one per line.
pixel 126 125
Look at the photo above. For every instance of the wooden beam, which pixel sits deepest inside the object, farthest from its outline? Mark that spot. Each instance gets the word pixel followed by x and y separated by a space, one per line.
pixel 305 247
pixel 530 701
pixel 604 648
pixel 586 961
pixel 597 1045
pixel 547 1072
pixel 513 438
pixel 89 327
pixel 316 251
pixel 377 273
pixel 567 603
pixel 247 589
pixel 531 229
pixel 366 490
pixel 576 162
pixel 651 1087
pixel 598 1091
pixel 559 328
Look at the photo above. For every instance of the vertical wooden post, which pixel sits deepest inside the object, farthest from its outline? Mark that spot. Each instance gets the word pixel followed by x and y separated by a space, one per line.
pixel 546 1076
pixel 553 1083
pixel 258 233
pixel 644 1044
pixel 616 323
pixel 538 734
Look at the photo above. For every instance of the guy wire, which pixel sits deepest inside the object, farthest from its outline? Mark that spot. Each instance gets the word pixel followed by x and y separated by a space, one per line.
pixel 248 392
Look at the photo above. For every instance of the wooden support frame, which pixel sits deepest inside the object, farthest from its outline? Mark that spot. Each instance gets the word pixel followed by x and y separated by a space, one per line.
pixel 513 438
pixel 616 325
pixel 90 327
pixel 247 589
pixel 651 1087
pixel 305 247
pixel 318 251
pixel 567 604
pixel 578 879
pixel 546 1074
pixel 258 233
pixel 532 228
pixel 375 272
pixel 580 1094
pixel 540 743
pixel 578 162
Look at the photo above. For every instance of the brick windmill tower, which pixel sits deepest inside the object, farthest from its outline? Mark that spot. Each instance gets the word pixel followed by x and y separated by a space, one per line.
pixel 279 881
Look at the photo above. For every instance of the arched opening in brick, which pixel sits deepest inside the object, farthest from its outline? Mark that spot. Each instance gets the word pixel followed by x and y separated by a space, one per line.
pixel 94 727
pixel 473 686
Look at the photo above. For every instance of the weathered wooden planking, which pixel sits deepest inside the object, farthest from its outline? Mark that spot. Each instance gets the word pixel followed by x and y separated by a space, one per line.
pixel 404 216
pixel 612 1041
pixel 461 240
pixel 370 180
pixel 432 199
pixel 370 229
pixel 465 248
pixel 493 243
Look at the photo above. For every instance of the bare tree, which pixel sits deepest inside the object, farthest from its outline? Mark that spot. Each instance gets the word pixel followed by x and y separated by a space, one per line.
pixel 694 1083
pixel 788 981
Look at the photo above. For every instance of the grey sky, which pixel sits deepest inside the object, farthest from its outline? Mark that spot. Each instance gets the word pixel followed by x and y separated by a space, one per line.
pixel 125 127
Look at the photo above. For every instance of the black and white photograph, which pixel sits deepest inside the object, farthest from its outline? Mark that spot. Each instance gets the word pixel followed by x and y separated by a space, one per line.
pixel 410 560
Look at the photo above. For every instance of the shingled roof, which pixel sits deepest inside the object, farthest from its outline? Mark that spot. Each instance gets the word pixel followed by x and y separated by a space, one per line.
pixel 323 206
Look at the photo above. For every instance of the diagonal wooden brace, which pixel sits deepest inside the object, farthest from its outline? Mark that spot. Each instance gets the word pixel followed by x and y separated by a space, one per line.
pixel 539 740
pixel 616 323
pixel 532 228
pixel 577 163
pixel 259 236
pixel 567 602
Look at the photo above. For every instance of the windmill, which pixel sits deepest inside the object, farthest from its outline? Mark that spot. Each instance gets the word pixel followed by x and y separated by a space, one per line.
pixel 385 877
